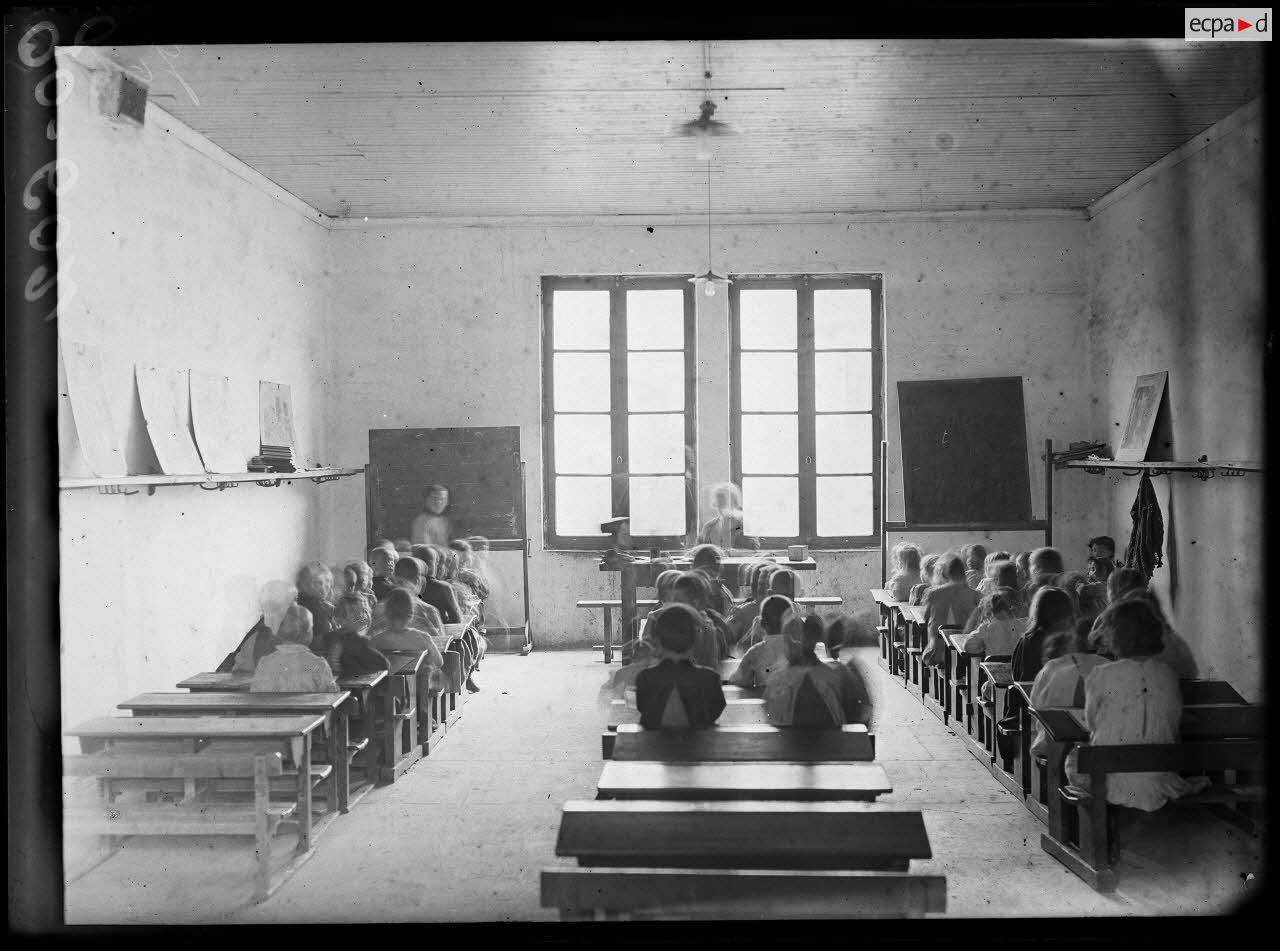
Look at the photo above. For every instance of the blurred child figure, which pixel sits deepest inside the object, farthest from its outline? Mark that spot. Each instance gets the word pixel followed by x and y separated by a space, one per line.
pixel 740 618
pixel 349 653
pixel 261 640
pixel 928 570
pixel 1044 566
pixel 1103 548
pixel 396 629
pixel 805 692
pixel 948 604
pixel 403 546
pixel 468 571
pixel 708 559
pixel 644 649
pixel 725 529
pixel 675 692
pixel 974 560
pixel 315 593
pixel 693 589
pixel 1004 575
pixel 357 580
pixel 439 594
pixel 431 526
pixel 292 667
pixel 1023 560
pixel 906 570
pixel 858 679
pixel 988 583
pixel 777 617
pixel 997 635
pixel 1052 613
pixel 382 560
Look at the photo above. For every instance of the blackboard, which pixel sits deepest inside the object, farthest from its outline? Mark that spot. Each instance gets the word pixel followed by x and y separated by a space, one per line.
pixel 480 467
pixel 964 451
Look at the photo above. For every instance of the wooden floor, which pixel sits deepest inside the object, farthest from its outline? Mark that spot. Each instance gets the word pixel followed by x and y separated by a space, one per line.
pixel 463 835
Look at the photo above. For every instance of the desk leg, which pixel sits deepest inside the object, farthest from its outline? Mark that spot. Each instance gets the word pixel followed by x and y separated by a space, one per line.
pixel 304 795
pixel 1055 759
pixel 371 746
pixel 1024 748
pixel 628 582
pixel 608 635
pixel 341 734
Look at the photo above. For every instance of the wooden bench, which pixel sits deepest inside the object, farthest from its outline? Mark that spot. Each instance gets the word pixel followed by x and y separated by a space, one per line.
pixel 113 819
pixel 803 782
pixel 744 712
pixel 398 736
pixel 1083 844
pixel 613 894
pixel 851 742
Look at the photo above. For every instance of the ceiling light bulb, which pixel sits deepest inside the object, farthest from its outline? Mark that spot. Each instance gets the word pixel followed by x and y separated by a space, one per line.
pixel 709 288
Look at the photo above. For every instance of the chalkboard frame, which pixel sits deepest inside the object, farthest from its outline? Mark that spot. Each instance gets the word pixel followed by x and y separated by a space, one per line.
pixel 932 513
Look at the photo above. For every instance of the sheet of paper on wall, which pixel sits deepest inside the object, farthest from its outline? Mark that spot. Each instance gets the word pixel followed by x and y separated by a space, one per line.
pixel 275 411
pixel 1148 391
pixel 99 439
pixel 166 408
pixel 212 409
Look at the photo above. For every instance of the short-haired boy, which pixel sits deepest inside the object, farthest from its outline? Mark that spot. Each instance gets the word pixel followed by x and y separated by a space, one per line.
pixel 292 667
pixel 676 692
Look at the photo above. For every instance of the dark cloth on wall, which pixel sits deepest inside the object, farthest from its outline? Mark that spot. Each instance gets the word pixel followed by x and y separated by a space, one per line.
pixel 1146 543
pixel 698 687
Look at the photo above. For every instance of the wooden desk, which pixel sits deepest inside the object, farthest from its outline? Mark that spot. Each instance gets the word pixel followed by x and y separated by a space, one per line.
pixel 239 680
pixel 736 713
pixel 959 684
pixel 362 687
pixel 642 572
pixel 400 745
pixel 742 834
pixel 851 742
pixel 913 640
pixel 289 732
pixel 334 707
pixel 803 782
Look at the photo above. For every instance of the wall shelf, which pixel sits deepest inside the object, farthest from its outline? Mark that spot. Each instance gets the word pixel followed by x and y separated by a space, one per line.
pixel 211 481
pixel 1201 470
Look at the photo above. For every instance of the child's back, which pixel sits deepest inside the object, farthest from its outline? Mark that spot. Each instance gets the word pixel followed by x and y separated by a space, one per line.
pixel 697 687
pixel 292 667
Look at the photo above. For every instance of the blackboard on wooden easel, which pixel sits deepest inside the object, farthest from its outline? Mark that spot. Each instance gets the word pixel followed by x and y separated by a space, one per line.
pixel 964 452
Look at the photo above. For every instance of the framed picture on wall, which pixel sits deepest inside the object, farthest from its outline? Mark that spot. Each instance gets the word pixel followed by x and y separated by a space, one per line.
pixel 1147 394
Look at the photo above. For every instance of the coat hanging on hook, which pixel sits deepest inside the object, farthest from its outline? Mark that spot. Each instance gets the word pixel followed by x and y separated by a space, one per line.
pixel 1146 542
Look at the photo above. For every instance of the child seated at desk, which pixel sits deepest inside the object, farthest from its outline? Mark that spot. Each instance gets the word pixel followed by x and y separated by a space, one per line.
pixel 708 559
pixel 1052 613
pixel 675 692
pixel 805 693
pixel 357 578
pixel 261 640
pixel 744 615
pixel 777 616
pixel 348 650
pixel 906 570
pixel 1176 651
pixel 1068 660
pixel 382 560
pixel 396 630
pixel 1044 566
pixel 997 635
pixel 437 593
pixel 989 569
pixel 784 582
pixel 315 593
pixel 975 557
pixel 1023 562
pixel 693 589
pixel 1135 699
pixel 858 680
pixel 928 577
pixel 946 605
pixel 292 667
pixel 1005 576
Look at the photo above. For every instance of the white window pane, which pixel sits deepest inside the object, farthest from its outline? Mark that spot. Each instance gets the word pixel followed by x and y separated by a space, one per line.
pixel 656 443
pixel 582 444
pixel 581 382
pixel 842 381
pixel 582 504
pixel 655 382
pixel 580 320
pixel 770 444
pixel 771 506
pixel 767 319
pixel 843 443
pixel 655 320
pixel 769 382
pixel 657 505
pixel 845 505
pixel 842 318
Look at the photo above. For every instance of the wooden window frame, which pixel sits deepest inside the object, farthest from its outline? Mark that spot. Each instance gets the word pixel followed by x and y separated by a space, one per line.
pixel 617 285
pixel 806 414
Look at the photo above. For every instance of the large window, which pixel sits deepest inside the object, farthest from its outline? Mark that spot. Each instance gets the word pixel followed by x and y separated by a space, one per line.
pixel 805 408
pixel 618 408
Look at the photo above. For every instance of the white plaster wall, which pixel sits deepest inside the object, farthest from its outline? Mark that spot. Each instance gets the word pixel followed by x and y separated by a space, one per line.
pixel 1177 284
pixel 177 261
pixel 439 325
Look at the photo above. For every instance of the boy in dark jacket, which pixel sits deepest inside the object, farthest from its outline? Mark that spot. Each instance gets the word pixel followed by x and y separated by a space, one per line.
pixel 676 692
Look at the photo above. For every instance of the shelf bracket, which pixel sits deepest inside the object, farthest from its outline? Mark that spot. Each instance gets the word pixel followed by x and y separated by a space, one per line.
pixel 329 478
pixel 115 490
pixel 1204 475
pixel 269 483
pixel 217 486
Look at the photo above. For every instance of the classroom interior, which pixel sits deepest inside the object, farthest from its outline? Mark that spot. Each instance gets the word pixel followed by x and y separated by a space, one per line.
pixel 372 224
